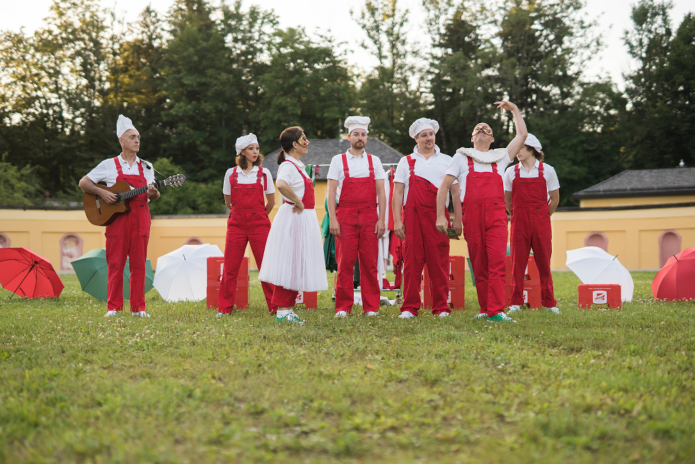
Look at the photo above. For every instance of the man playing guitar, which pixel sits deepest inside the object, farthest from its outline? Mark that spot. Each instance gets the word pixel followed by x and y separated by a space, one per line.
pixel 128 234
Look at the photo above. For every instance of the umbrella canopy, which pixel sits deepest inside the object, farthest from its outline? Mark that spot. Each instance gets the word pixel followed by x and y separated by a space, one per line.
pixel 182 274
pixel 92 272
pixel 676 280
pixel 594 266
pixel 27 274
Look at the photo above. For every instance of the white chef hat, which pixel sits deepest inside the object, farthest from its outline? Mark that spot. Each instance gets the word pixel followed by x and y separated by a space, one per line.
pixel 421 125
pixel 245 141
pixel 532 141
pixel 357 122
pixel 123 124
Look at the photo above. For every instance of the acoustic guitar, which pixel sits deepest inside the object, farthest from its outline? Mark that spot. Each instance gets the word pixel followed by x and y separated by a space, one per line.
pixel 101 213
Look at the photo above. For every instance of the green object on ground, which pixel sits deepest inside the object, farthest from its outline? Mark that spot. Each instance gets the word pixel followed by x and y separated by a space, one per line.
pixel 470 268
pixel 328 242
pixel 92 272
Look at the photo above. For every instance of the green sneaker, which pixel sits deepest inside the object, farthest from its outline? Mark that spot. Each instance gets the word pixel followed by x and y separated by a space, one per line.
pixel 500 317
pixel 292 318
pixel 481 316
pixel 513 309
pixel 554 310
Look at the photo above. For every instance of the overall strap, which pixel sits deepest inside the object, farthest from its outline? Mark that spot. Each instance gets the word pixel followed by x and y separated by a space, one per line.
pixel 371 166
pixel 471 166
pixel 346 170
pixel 142 173
pixel 517 172
pixel 235 174
pixel 118 166
pixel 540 169
pixel 494 168
pixel 260 177
pixel 411 164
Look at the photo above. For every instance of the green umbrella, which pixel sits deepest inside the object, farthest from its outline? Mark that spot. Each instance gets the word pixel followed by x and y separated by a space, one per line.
pixel 329 242
pixel 92 272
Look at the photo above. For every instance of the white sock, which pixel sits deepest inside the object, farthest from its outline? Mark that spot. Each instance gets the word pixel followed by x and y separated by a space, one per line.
pixel 283 312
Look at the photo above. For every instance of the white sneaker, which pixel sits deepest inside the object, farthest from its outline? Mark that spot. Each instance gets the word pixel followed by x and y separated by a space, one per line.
pixel 406 315
pixel 513 309
pixel 443 315
pixel 341 314
pixel 372 313
pixel 221 315
pixel 111 314
pixel 141 314
pixel 554 310
pixel 481 316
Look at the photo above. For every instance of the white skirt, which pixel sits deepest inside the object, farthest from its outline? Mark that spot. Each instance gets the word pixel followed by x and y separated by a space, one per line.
pixel 293 257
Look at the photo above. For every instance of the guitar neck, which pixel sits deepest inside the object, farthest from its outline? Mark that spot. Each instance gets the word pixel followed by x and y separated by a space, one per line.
pixel 138 191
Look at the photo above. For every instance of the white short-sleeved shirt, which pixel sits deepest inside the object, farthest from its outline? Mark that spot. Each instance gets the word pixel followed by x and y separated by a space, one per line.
pixel 106 171
pixel 551 180
pixel 294 178
pixel 358 166
pixel 459 168
pixel 250 178
pixel 433 169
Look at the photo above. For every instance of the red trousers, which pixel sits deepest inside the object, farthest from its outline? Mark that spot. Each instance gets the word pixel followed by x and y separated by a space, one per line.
pixel 242 228
pixel 357 238
pixel 128 236
pixel 531 229
pixel 283 298
pixel 424 244
pixel 485 231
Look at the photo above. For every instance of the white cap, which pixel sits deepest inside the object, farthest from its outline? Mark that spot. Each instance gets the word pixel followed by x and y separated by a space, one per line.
pixel 245 141
pixel 421 125
pixel 357 122
pixel 123 124
pixel 532 141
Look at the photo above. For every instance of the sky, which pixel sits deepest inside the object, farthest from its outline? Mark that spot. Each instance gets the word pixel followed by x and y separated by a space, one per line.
pixel 334 15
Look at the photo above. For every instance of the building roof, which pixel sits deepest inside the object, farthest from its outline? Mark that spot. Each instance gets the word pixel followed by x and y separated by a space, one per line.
pixel 644 182
pixel 322 151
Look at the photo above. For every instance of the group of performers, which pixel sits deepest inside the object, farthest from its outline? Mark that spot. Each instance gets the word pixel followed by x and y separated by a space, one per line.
pixel 290 252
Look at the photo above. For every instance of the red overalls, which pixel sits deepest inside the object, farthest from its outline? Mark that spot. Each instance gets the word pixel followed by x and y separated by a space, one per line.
pixel 531 229
pixel 357 215
pixel 248 223
pixel 127 236
pixel 485 231
pixel 283 297
pixel 424 244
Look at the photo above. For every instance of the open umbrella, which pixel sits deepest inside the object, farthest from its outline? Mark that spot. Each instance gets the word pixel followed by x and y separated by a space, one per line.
pixel 182 274
pixel 27 274
pixel 676 280
pixel 594 266
pixel 93 273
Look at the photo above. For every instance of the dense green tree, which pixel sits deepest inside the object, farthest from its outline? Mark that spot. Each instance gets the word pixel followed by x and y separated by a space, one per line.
pixel 18 187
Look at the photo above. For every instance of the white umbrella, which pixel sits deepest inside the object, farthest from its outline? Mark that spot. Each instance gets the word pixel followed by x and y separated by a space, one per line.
pixel 182 274
pixel 594 266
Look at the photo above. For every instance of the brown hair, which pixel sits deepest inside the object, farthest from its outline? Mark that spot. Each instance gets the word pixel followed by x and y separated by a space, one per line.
pixel 287 139
pixel 243 162
pixel 540 156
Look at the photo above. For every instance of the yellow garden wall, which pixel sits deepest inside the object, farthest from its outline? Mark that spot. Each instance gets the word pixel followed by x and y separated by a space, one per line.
pixel 634 201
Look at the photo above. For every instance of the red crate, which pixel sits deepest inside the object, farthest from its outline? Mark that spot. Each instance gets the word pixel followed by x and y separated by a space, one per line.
pixel 532 295
pixel 215 270
pixel 457 270
pixel 599 294
pixel 308 299
pixel 457 285
pixel 532 276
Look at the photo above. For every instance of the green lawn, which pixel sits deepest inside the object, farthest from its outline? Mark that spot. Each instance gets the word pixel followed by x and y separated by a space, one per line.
pixel 586 386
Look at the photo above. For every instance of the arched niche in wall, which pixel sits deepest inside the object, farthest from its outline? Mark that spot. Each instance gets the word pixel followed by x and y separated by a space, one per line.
pixel 5 241
pixel 597 239
pixel 669 245
pixel 193 241
pixel 70 249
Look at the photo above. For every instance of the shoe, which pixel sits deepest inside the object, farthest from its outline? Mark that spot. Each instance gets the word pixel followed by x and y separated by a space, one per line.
pixel 406 315
pixel 554 310
pixel 221 315
pixel 372 313
pixel 513 309
pixel 292 318
pixel 443 315
pixel 481 316
pixel 111 314
pixel 500 317
pixel 141 314
pixel 341 314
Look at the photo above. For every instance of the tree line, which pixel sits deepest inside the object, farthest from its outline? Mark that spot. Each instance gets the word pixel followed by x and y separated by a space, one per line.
pixel 199 76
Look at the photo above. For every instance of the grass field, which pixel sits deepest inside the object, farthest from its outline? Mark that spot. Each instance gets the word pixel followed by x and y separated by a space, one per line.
pixel 587 386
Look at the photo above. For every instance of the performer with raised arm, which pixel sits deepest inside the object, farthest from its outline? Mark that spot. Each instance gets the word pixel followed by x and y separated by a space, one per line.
pixel 356 183
pixel 293 259
pixel 417 180
pixel 531 192
pixel 479 172
pixel 128 234
pixel 244 188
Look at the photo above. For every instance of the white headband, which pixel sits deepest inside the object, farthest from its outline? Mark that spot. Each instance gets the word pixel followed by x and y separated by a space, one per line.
pixel 245 141
pixel 123 124
pixel 421 125
pixel 532 141
pixel 357 122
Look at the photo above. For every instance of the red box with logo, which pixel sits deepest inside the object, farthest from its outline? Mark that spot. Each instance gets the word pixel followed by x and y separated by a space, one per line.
pixel 308 299
pixel 215 271
pixel 599 294
pixel 457 284
pixel 532 283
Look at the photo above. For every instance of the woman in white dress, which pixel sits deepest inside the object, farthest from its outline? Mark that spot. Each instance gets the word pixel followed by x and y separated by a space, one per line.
pixel 293 259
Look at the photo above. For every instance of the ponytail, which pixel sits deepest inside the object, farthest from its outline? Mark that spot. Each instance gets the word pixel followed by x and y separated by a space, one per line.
pixel 281 156
pixel 287 139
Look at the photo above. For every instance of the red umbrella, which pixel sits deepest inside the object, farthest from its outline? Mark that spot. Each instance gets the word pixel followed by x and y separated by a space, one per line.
pixel 676 280
pixel 27 274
